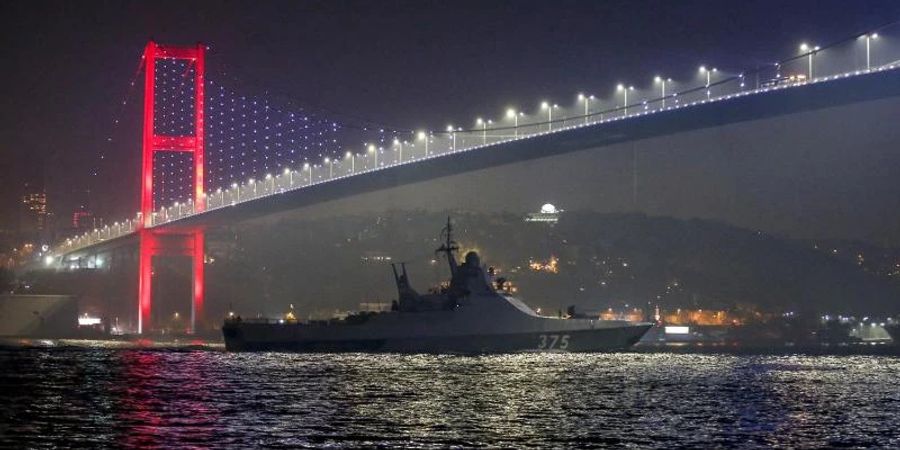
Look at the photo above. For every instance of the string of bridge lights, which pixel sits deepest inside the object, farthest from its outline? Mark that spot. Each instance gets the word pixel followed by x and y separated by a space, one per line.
pixel 247 136
pixel 173 116
pixel 244 136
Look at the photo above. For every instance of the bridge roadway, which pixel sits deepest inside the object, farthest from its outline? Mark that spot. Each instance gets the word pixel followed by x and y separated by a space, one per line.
pixel 777 102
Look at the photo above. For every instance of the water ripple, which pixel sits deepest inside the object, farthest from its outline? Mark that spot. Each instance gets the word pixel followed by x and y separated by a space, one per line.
pixel 101 397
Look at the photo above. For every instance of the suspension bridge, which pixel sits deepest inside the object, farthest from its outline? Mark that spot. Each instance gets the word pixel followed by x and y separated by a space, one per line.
pixel 212 157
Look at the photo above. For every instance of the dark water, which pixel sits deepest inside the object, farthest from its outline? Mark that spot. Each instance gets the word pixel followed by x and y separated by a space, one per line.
pixel 101 397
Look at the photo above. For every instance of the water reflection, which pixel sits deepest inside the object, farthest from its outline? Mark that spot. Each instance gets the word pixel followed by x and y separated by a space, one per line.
pixel 157 398
pixel 165 398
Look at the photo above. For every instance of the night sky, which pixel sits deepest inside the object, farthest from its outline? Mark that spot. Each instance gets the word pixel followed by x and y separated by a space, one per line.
pixel 66 66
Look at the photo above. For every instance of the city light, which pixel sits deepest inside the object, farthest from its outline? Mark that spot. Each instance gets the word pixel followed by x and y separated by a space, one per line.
pixel 511 113
pixel 662 82
pixel 484 125
pixel 869 38
pixel 549 108
pixel 621 88
pixel 373 150
pixel 708 74
pixel 424 137
pixel 811 50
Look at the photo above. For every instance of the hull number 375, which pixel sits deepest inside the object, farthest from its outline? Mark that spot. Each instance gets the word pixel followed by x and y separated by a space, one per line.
pixel 553 342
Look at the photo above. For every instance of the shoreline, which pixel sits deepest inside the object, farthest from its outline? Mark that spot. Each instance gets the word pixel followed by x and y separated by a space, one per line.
pixel 194 343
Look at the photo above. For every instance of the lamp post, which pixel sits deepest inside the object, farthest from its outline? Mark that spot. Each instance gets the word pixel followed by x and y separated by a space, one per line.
pixel 810 50
pixel 708 73
pixel 330 163
pixel 352 159
pixel 253 182
pixel 374 150
pixel 452 136
pixel 869 38
pixel 400 146
pixel 511 113
pixel 308 173
pixel 662 81
pixel 424 137
pixel 587 106
pixel 549 108
pixel 290 174
pixel 621 88
pixel 484 124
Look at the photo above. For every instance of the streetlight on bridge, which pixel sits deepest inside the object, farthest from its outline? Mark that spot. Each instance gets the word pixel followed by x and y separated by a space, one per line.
pixel 662 81
pixel 621 88
pixel 424 137
pixel 452 136
pixel 708 73
pixel 330 163
pixel 484 124
pixel 811 51
pixel 587 106
pixel 352 157
pixel 511 113
pixel 290 174
pixel 372 149
pixel 549 108
pixel 869 38
pixel 399 145
pixel 308 169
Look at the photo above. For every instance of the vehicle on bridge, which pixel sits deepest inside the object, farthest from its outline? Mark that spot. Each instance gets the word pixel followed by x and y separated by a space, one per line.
pixel 470 314
pixel 784 80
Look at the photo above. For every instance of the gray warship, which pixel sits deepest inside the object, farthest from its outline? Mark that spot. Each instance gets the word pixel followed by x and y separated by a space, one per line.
pixel 469 315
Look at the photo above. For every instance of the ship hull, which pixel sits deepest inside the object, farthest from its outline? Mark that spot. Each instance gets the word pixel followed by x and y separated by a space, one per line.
pixel 277 337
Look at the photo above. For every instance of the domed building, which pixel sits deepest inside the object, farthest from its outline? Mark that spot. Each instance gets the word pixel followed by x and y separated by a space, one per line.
pixel 548 214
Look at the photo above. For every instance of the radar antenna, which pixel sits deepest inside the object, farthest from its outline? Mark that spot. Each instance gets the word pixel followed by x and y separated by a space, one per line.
pixel 449 247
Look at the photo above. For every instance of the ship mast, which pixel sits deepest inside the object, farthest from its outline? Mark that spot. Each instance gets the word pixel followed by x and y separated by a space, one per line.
pixel 449 247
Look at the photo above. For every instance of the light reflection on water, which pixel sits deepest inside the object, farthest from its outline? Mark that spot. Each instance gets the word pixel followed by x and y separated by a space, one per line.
pixel 152 397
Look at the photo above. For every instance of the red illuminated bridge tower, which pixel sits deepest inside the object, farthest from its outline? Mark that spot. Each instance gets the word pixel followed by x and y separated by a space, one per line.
pixel 175 241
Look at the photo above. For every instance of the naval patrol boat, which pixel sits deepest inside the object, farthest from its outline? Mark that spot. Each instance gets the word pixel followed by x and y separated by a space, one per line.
pixel 470 314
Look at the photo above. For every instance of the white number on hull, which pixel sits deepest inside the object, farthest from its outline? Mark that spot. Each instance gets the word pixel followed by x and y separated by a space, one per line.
pixel 553 341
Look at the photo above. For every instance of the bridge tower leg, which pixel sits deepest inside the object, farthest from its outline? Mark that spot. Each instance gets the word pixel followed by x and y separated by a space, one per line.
pixel 188 242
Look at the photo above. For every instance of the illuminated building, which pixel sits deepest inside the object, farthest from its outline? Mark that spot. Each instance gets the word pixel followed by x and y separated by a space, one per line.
pixel 700 317
pixel 82 216
pixel 34 202
pixel 83 219
pixel 548 214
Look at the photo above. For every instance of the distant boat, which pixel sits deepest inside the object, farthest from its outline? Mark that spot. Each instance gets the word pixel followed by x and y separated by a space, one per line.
pixel 468 315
